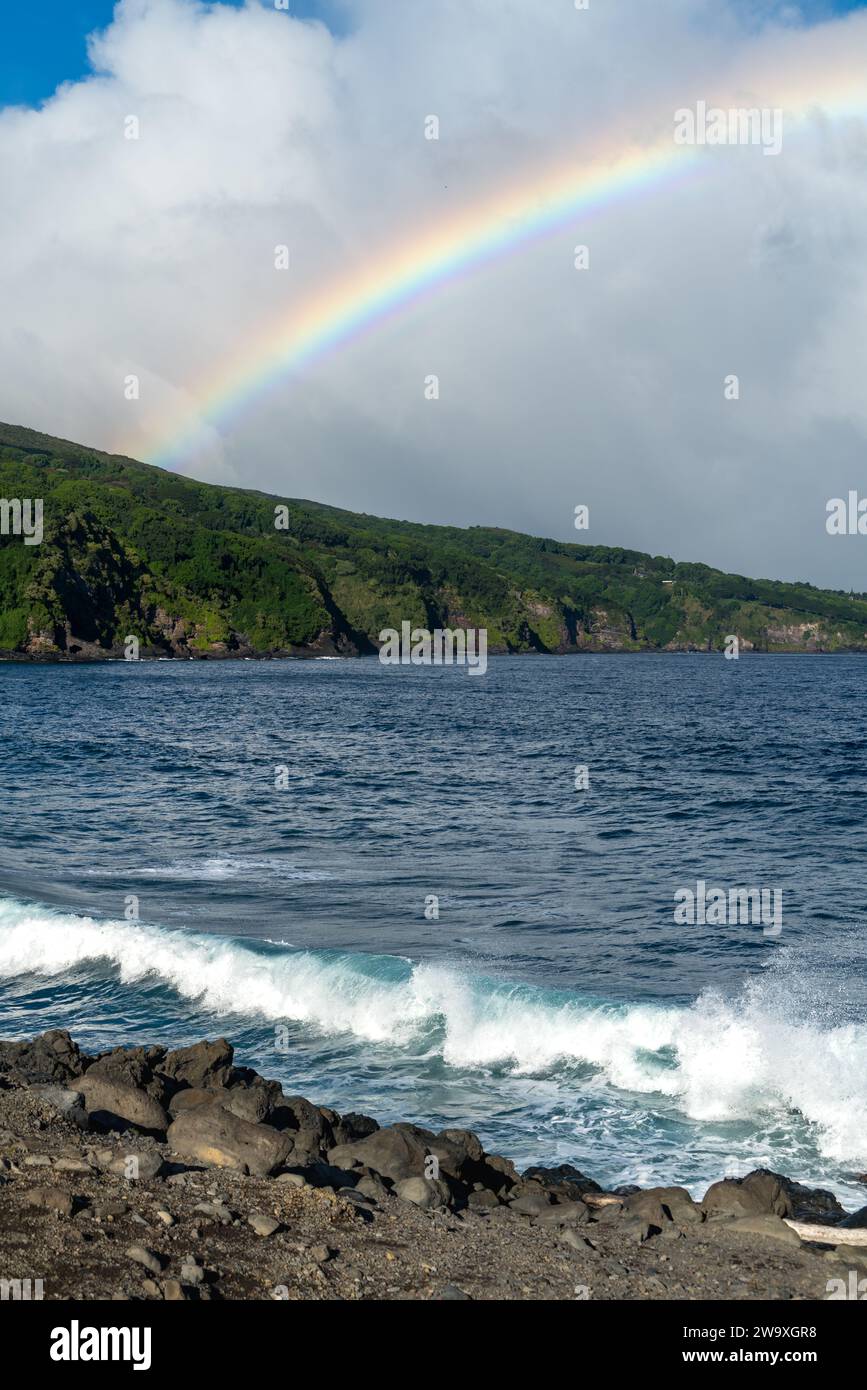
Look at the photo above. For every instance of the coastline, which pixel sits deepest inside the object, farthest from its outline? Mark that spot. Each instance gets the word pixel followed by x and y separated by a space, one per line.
pixel 66 659
pixel 158 1174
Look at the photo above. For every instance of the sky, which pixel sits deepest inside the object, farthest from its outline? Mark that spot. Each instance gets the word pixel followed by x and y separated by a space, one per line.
pixel 45 43
pixel 156 257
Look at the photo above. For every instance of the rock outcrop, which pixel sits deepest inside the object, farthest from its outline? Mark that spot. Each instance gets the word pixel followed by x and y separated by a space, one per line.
pixel 178 1144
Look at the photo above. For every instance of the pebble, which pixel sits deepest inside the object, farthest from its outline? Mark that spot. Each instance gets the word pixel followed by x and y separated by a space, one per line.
pixel 217 1210
pixel 191 1272
pixel 52 1198
pixel 149 1258
pixel 570 1237
pixel 107 1211
pixel 263 1225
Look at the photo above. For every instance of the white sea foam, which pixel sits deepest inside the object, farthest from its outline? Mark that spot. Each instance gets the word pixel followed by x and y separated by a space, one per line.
pixel 205 870
pixel 720 1059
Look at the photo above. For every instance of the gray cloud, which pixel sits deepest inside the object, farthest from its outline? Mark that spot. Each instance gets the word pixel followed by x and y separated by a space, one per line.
pixel 557 387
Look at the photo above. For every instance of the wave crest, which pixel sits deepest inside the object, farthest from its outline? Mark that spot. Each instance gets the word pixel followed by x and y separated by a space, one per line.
pixel 718 1059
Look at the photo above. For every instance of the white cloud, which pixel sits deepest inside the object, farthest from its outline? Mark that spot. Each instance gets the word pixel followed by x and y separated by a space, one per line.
pixel 155 257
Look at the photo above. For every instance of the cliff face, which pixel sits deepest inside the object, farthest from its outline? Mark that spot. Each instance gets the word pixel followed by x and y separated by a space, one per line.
pixel 193 570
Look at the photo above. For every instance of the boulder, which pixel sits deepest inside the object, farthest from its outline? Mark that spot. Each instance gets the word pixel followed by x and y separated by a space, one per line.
pixel 396 1152
pixel 483 1200
pixel 192 1097
pixel 134 1067
pixel 214 1136
pixel 451 1158
pixel 605 1206
pixel 660 1204
pixel 564 1214
pixel 460 1155
pixel 758 1194
pixel 530 1203
pixel 115 1105
pixel 309 1126
pixel 856 1221
pixel 205 1064
pixel 773 1227
pixel 498 1173
pixel 348 1129
pixel 67 1102
pixel 468 1144
pixel 569 1182
pixel 729 1198
pixel 51 1199
pixel 763 1192
pixel 321 1174
pixel 634 1228
pixel 51 1056
pixel 253 1103
pixel 137 1165
pixel 813 1204
pixel 771 1191
pixel 371 1187
pixel 427 1193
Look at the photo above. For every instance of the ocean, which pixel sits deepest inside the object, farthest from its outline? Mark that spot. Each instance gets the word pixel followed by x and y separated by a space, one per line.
pixel 452 900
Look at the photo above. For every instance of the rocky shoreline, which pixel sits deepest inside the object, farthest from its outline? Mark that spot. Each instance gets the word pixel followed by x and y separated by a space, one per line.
pixel 108 657
pixel 147 1173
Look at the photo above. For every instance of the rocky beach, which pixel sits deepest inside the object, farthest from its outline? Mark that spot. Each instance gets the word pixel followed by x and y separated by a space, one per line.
pixel 146 1173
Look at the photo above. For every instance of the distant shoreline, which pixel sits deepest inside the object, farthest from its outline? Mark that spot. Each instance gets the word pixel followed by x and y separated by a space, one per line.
pixel 64 659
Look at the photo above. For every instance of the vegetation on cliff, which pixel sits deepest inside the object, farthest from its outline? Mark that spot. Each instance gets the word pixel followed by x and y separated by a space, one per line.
pixel 193 569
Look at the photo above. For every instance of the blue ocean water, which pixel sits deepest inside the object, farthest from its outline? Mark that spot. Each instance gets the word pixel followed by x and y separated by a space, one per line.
pixel 554 1005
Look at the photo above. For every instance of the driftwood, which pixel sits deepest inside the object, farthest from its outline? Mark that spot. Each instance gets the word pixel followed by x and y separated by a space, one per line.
pixel 830 1235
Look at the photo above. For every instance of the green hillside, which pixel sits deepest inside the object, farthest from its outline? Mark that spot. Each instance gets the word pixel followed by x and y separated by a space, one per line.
pixel 193 569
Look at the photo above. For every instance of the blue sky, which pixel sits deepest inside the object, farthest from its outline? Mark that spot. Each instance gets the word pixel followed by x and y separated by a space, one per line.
pixel 45 43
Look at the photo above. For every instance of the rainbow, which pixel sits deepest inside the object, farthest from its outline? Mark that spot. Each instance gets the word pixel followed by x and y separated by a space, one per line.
pixel 478 235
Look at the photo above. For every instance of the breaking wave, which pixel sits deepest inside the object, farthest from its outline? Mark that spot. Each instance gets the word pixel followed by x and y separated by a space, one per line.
pixel 717 1059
